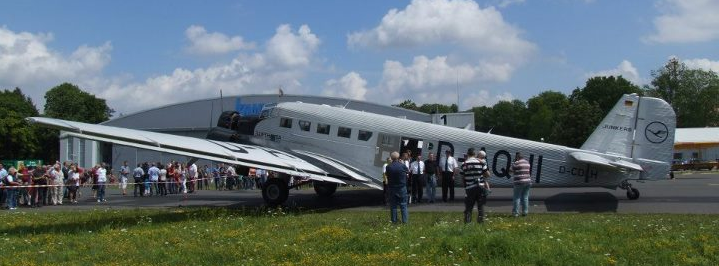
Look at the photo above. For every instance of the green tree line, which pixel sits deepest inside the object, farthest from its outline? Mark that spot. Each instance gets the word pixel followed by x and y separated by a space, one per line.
pixel 568 120
pixel 21 140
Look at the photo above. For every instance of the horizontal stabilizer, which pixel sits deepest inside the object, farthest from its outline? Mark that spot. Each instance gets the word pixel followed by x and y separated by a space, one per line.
pixel 601 161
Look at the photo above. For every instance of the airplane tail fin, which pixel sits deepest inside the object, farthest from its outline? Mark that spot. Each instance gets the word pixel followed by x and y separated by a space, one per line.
pixel 640 128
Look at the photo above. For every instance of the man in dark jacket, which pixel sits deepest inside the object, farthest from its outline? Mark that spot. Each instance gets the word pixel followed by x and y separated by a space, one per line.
pixel 397 184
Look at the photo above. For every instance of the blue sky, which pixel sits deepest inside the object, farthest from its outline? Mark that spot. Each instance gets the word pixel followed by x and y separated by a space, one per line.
pixel 143 54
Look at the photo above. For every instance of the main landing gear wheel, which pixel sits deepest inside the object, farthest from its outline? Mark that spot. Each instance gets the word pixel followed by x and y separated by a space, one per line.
pixel 275 191
pixel 632 193
pixel 325 189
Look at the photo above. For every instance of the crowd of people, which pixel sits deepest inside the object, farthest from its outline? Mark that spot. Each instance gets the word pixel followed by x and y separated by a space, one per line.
pixel 405 180
pixel 60 183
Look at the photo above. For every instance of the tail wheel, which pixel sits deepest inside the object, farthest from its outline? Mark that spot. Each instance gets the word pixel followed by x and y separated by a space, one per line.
pixel 632 193
pixel 325 189
pixel 275 191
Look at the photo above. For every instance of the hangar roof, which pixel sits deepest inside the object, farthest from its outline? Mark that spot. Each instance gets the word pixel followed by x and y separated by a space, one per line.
pixel 200 115
pixel 696 135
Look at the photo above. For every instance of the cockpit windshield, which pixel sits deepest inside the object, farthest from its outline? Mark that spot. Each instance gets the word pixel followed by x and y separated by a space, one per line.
pixel 267 110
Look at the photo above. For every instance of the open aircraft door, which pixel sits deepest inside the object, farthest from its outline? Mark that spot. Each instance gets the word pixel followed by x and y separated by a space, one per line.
pixel 386 144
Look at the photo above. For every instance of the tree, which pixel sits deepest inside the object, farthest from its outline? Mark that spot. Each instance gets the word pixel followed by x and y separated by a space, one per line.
pixel 544 111
pixel 509 119
pixel 605 91
pixel 482 118
pixel 431 108
pixel 693 93
pixel 407 104
pixel 67 101
pixel 576 123
pixel 18 139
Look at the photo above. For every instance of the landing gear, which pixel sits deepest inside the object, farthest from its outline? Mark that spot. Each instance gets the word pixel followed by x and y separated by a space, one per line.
pixel 632 193
pixel 275 191
pixel 325 189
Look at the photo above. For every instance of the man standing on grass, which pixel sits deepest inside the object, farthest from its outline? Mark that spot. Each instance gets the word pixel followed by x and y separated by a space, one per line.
pixel 397 183
pixel 475 171
pixel 522 182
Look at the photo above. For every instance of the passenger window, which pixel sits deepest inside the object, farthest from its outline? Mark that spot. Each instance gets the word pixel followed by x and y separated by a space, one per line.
pixel 323 128
pixel 286 122
pixel 364 135
pixel 344 132
pixel 305 125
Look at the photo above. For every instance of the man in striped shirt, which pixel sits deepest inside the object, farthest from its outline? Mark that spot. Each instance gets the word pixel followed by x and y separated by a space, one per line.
pixel 522 182
pixel 474 171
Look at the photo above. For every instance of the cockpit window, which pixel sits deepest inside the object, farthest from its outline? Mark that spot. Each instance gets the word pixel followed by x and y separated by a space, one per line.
pixel 305 125
pixel 323 128
pixel 286 122
pixel 364 135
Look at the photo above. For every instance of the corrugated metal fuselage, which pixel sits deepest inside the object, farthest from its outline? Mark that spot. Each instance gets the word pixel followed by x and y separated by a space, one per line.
pixel 551 164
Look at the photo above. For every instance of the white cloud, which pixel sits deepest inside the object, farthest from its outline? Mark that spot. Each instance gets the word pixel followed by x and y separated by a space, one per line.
pixel 351 86
pixel 685 21
pixel 426 73
pixel 437 80
pixel 284 62
pixel 292 50
pixel 209 43
pixel 506 3
pixel 624 69
pixel 27 62
pixel 435 22
pixel 702 63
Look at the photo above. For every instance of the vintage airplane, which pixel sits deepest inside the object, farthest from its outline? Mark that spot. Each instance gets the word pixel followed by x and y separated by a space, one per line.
pixel 331 145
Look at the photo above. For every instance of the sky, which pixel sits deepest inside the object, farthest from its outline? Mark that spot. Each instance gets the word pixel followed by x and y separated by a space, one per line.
pixel 141 55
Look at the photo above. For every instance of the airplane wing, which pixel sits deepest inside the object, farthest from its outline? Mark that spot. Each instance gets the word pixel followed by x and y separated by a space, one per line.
pixel 601 161
pixel 227 152
pixel 330 165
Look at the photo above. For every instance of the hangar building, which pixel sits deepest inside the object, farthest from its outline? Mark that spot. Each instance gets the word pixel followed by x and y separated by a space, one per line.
pixel 696 144
pixel 196 118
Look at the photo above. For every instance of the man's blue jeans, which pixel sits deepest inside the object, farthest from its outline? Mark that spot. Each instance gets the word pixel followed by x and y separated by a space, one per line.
pixel 521 195
pixel 11 197
pixel 398 197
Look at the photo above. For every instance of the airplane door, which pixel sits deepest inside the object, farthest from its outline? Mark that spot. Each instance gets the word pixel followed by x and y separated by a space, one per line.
pixel 412 145
pixel 386 144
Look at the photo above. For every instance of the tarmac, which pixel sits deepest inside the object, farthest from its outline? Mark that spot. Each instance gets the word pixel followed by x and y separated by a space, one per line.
pixel 689 192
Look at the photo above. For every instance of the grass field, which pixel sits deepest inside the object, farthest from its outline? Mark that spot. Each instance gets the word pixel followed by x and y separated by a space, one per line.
pixel 276 237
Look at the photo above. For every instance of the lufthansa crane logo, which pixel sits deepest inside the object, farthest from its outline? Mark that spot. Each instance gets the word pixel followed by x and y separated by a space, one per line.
pixel 656 132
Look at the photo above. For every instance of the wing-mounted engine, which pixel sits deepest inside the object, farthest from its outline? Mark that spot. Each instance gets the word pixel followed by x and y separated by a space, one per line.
pixel 233 127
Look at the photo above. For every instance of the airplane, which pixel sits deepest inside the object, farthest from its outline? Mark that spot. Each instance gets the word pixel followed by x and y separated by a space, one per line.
pixel 330 145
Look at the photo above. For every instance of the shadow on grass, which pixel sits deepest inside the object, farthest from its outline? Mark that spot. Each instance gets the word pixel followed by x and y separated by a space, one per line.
pixel 99 220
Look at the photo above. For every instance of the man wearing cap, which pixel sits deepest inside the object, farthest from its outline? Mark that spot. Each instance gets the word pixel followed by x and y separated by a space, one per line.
pixel 474 171
pixel 447 167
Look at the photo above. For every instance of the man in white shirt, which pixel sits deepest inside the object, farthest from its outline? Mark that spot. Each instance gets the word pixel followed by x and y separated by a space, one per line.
pixel 416 169
pixel 154 174
pixel 57 180
pixel 101 180
pixel 447 166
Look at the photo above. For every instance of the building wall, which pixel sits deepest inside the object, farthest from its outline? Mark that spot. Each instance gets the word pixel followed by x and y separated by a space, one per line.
pixel 706 153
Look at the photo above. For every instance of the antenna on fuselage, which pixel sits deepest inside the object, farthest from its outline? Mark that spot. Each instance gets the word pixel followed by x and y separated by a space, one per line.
pixel 345 106
pixel 222 106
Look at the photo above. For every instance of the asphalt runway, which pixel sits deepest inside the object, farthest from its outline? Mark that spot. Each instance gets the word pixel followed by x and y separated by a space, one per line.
pixel 696 192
